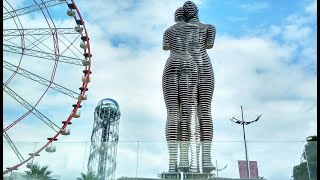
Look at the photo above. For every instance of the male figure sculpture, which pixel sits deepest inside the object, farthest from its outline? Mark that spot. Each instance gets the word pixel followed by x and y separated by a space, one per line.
pixel 180 82
pixel 206 83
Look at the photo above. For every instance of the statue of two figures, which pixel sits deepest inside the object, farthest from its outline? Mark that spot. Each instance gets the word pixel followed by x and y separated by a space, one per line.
pixel 188 84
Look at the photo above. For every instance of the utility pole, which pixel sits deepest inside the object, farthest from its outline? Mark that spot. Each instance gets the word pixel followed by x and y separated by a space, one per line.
pixel 242 122
pixel 137 159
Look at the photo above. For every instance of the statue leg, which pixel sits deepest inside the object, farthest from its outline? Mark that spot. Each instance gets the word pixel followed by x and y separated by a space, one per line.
pixel 170 91
pixel 195 147
pixel 194 122
pixel 184 123
pixel 206 87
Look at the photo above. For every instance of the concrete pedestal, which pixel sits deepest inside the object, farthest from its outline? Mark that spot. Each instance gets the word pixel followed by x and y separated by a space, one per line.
pixel 190 175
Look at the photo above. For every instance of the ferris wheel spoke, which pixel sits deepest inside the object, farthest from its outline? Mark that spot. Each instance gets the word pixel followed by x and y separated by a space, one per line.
pixel 29 107
pixel 37 31
pixel 13 147
pixel 34 43
pixel 68 46
pixel 37 41
pixel 41 54
pixel 40 80
pixel 12 34
pixel 9 40
pixel 29 9
pixel 9 34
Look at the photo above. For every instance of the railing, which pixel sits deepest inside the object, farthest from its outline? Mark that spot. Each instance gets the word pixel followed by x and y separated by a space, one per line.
pixel 275 159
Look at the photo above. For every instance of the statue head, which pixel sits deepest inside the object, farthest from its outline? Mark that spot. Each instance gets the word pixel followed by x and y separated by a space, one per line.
pixel 190 9
pixel 179 15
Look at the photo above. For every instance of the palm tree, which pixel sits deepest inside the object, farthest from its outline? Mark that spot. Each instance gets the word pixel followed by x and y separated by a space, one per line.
pixel 89 176
pixel 38 172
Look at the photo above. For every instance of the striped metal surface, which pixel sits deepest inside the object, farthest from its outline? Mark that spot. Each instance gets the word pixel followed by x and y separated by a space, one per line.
pixel 188 84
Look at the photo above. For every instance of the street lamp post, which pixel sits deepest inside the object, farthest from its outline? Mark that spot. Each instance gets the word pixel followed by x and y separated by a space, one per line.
pixel 219 169
pixel 242 122
pixel 245 143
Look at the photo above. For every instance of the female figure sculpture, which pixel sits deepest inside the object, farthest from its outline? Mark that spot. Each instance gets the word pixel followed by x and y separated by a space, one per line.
pixel 206 83
pixel 180 82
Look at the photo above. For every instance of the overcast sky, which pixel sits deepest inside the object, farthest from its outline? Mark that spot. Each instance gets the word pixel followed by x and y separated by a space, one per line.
pixel 264 59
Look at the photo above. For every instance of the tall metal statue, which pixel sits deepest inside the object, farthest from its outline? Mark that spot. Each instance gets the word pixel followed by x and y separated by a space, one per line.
pixel 188 84
pixel 180 80
pixel 206 83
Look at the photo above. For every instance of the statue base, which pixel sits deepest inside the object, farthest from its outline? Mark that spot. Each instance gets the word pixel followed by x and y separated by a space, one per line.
pixel 188 175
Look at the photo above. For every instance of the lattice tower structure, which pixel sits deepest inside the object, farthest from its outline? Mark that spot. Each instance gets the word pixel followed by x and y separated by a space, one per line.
pixel 104 139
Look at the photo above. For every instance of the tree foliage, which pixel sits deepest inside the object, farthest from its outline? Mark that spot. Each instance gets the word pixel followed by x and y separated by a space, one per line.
pixel 89 176
pixel 38 172
pixel 300 172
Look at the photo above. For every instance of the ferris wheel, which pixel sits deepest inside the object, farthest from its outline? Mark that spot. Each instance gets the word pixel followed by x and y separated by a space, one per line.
pixel 41 46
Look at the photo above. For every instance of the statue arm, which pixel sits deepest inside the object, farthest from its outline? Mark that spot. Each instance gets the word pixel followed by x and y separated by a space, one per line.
pixel 211 35
pixel 166 44
pixel 195 34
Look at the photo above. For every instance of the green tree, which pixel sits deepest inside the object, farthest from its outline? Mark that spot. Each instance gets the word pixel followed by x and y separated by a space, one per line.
pixel 300 172
pixel 89 176
pixel 38 172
